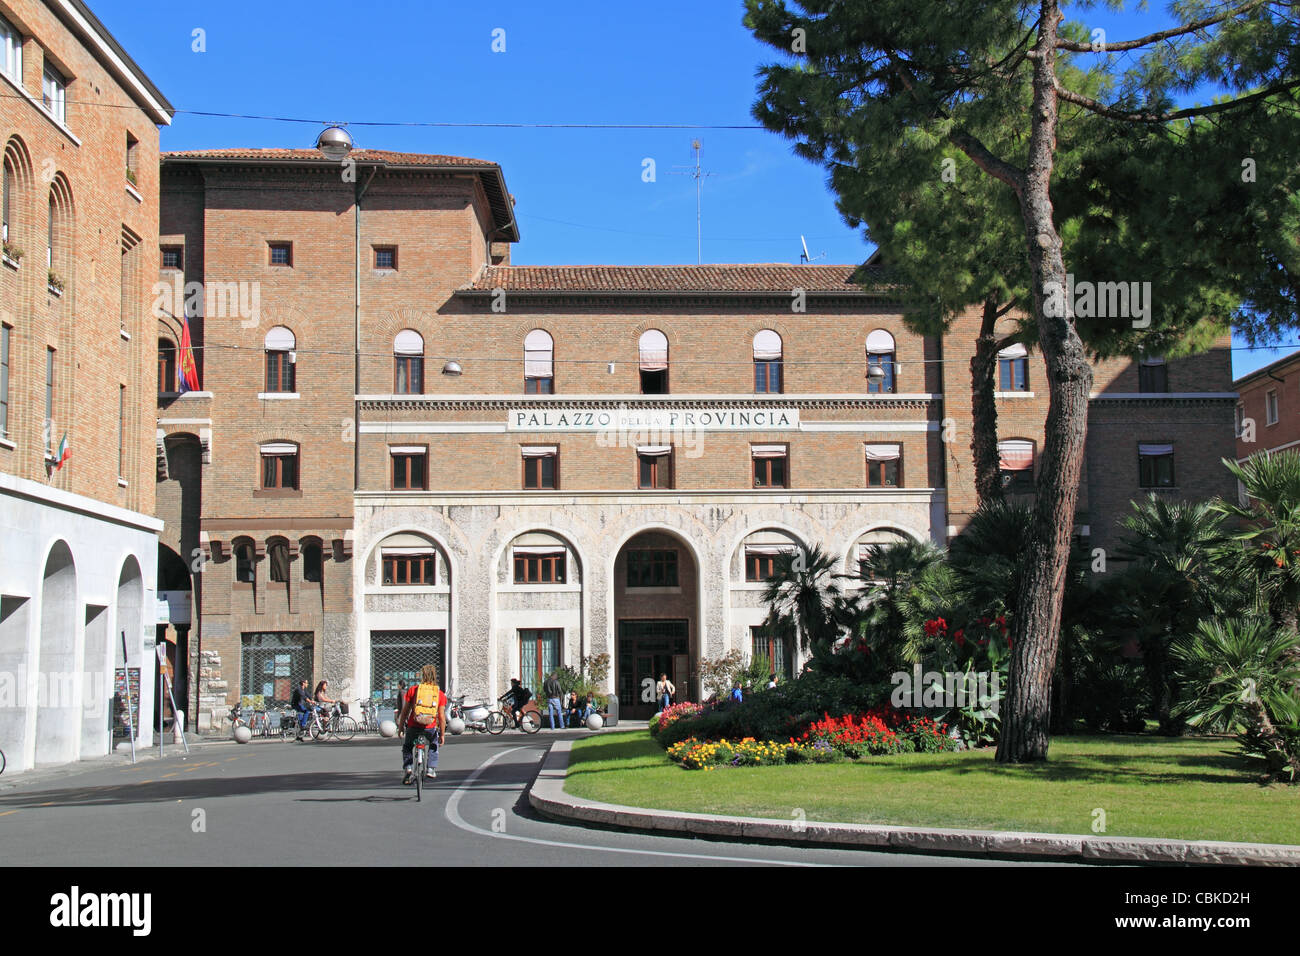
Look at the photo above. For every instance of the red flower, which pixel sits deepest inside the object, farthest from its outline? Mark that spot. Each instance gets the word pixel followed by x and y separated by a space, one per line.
pixel 961 641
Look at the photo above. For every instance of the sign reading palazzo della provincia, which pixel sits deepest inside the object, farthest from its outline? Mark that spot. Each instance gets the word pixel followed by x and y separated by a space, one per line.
pixel 720 419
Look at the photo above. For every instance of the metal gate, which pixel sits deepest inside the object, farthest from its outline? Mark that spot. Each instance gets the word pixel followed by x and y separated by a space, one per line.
pixel 396 658
pixel 271 665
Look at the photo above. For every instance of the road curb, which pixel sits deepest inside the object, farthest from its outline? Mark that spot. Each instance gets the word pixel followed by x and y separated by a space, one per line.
pixel 547 796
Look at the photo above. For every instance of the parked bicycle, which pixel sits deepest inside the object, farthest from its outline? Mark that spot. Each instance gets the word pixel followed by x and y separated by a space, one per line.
pixel 369 716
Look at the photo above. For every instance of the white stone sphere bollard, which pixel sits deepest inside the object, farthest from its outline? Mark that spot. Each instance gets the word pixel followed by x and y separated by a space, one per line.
pixel 595 722
pixel 242 734
pixel 388 729
pixel 456 726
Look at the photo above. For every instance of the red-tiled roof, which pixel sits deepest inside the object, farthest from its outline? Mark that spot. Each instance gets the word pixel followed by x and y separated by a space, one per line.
pixel 775 277
pixel 301 155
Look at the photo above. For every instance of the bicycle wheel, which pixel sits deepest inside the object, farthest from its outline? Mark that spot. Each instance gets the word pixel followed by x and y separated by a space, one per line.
pixel 496 722
pixel 346 729
pixel 530 722
pixel 317 730
pixel 421 755
pixel 2 761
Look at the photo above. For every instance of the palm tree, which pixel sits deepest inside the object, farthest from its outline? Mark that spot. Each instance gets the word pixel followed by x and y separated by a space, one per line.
pixel 1270 530
pixel 892 572
pixel 1243 673
pixel 802 593
pixel 1172 582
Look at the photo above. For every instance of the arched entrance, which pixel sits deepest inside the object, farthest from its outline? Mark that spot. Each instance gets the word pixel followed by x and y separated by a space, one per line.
pixel 656 619
pixel 57 724
pixel 175 589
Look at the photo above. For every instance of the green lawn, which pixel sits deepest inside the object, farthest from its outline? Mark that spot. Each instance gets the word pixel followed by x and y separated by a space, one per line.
pixel 1191 789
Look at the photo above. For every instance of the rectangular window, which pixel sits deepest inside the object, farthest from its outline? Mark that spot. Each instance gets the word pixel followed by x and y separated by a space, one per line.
pixel 884 466
pixel 539 654
pixel 760 563
pixel 385 257
pixel 410 472
pixel 121 431
pixel 652 569
pixel 245 572
pixel 1013 375
pixel 54 93
pixel 771 647
pixel 132 155
pixel 538 568
pixel 408 375
pixel 884 384
pixel 1153 377
pixel 539 386
pixel 11 52
pixel 313 563
pixel 49 399
pixel 1156 466
pixel 5 332
pixel 281 253
pixel 173 257
pixel 402 569
pixel 271 665
pixel 541 468
pixel 279 470
pixel 1270 407
pixel 654 468
pixel 767 376
pixel 770 463
pixel 279 372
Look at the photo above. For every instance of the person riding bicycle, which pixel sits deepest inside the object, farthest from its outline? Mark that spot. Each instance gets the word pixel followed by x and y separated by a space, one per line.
pixel 517 697
pixel 302 703
pixel 424 712
pixel 321 696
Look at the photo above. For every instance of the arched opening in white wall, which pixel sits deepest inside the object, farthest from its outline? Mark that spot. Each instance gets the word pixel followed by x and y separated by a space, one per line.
pixel 759 558
pixel 57 717
pixel 539 606
pixel 869 545
pixel 407 603
pixel 653 362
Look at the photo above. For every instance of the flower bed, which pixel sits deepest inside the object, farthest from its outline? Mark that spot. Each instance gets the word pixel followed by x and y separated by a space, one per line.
pixel 694 754
pixel 666 718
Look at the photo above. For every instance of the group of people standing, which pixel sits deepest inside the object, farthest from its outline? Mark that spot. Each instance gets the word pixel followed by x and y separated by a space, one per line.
pixel 562 712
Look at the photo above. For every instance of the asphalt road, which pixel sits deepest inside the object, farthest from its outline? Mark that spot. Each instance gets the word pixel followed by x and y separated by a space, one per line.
pixel 282 804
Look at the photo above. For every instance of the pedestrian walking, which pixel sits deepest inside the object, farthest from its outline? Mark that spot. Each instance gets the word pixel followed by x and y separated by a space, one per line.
pixel 664 691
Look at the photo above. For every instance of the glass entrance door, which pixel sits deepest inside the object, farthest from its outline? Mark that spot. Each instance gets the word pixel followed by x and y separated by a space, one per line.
pixel 647 649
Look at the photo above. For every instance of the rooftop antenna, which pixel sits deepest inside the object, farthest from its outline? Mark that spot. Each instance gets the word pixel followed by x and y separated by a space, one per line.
pixel 804 257
pixel 696 173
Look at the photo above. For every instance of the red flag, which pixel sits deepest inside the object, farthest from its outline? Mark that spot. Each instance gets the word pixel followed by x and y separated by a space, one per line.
pixel 189 377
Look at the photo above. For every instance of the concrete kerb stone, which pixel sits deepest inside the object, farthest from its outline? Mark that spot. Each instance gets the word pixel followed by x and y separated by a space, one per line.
pixel 547 796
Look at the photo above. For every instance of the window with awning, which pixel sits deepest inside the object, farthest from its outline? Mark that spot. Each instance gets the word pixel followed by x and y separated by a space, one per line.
pixel 1156 465
pixel 880 352
pixel 653 362
pixel 884 465
pixel 1016 464
pixel 1013 368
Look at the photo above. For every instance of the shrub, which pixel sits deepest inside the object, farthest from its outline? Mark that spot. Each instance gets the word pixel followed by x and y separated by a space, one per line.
pixel 695 754
pixel 674 714
pixel 927 737
pixel 865 733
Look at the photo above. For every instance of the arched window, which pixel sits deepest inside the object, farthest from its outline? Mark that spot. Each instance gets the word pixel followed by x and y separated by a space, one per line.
pixel 17 180
pixel 767 362
pixel 245 569
pixel 880 359
pixel 280 360
pixel 313 560
pixel 8 200
pixel 539 363
pixel 277 551
pixel 1016 465
pixel 408 363
pixel 166 365
pixel 654 362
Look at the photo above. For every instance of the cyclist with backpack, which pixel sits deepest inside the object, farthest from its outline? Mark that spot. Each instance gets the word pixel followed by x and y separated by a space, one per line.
pixel 424 711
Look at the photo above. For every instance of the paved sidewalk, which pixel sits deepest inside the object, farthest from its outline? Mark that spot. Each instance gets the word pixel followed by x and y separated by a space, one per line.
pixel 547 796
pixel 46 773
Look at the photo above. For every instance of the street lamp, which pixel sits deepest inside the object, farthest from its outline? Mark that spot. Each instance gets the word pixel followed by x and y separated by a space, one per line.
pixel 334 144
pixel 452 368
pixel 875 373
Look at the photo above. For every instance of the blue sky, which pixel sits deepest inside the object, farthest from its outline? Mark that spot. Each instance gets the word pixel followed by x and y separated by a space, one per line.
pixel 581 195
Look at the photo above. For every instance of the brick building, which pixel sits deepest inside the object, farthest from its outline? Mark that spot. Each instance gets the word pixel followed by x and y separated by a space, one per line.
pixel 411 449
pixel 79 122
pixel 1268 409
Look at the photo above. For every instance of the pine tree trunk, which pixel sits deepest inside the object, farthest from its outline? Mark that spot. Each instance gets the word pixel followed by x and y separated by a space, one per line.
pixel 1036 630
pixel 984 409
pixel 1284 762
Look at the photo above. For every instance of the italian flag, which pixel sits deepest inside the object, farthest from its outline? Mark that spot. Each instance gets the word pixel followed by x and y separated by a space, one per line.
pixel 62 454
